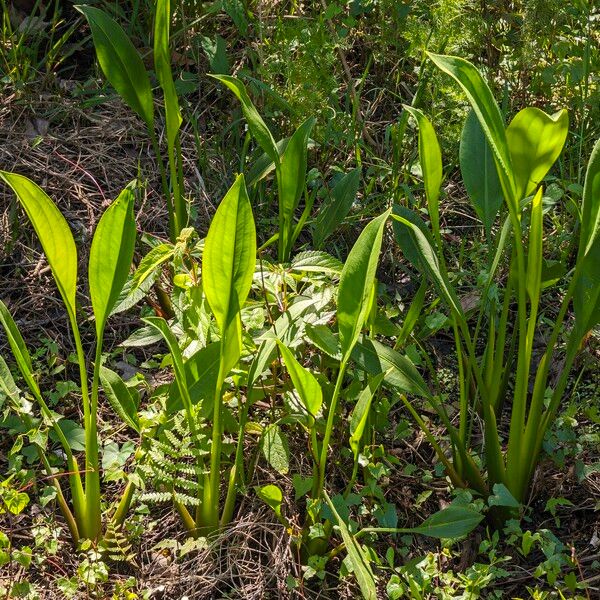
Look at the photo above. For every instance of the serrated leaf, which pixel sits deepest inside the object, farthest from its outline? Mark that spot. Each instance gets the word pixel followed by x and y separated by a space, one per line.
pixel 276 449
pixel 316 261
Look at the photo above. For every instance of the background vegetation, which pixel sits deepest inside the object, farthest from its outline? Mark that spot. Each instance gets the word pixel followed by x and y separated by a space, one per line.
pixel 332 78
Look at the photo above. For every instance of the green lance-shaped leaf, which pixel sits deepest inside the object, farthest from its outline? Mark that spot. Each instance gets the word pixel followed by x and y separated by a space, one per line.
pixel 292 179
pixel 403 237
pixel 120 398
pixel 110 256
pixel 333 212
pixel 481 99
pixel 360 565
pixel 479 172
pixel 356 283
pixel 304 381
pixel 586 295
pixel 360 414
pixel 534 253
pixel 590 209
pixel 178 365
pixel 535 140
pixel 375 358
pixel 121 63
pixel 451 522
pixel 162 65
pixel 8 387
pixel 431 265
pixel 53 232
pixel 19 349
pixel 257 126
pixel 228 263
pixel 430 157
pixel 202 370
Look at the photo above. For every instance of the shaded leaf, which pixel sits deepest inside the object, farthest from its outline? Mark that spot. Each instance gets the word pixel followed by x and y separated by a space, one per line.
pixel 121 63
pixel 334 211
pixel 479 173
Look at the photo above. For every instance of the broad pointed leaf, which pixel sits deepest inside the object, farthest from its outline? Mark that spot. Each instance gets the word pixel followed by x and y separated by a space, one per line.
pixel 430 157
pixel 334 211
pixel 356 282
pixel 53 232
pixel 120 398
pixel 535 140
pixel 360 565
pixel 482 101
pixel 431 265
pixel 228 264
pixel 590 209
pixel 292 179
pixel 121 63
pixel 360 414
pixel 450 522
pixel 257 126
pixel 304 381
pixel 479 172
pixel 110 256
pixel 376 358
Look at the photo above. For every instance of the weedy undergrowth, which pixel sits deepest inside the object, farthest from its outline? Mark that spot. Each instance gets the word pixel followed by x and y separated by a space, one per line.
pixel 288 157
pixel 498 375
pixel 110 258
pixel 228 263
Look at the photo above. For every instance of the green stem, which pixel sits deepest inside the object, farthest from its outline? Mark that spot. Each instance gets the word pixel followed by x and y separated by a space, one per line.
pixel 165 187
pixel 93 527
pixel 211 492
pixel 318 489
pixel 62 503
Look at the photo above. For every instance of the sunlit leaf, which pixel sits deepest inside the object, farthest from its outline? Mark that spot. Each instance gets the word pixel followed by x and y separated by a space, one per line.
pixel 110 256
pixel 356 282
pixel 535 140
pixel 52 231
